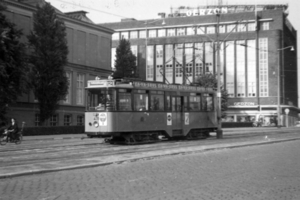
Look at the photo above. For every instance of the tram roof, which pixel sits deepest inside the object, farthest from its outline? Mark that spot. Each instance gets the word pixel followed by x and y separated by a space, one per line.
pixel 138 84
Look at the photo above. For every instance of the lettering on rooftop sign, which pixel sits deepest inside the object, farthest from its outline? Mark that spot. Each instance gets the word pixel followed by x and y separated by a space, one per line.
pixel 183 11
pixel 244 103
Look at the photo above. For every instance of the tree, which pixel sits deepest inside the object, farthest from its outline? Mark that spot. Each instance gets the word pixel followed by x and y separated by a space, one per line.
pixel 125 63
pixel 210 80
pixel 48 58
pixel 13 67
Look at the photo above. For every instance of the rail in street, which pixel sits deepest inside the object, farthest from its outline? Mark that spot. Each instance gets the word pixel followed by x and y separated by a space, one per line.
pixel 39 156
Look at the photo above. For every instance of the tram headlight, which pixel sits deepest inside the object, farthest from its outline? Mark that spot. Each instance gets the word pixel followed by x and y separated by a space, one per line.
pixel 96 124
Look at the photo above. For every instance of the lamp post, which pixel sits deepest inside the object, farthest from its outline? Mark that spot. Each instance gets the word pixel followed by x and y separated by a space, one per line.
pixel 278 88
pixel 219 130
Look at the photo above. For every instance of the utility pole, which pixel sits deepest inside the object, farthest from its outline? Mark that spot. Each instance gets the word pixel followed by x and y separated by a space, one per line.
pixel 219 118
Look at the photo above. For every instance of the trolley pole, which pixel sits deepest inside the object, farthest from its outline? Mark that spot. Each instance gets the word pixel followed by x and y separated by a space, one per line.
pixel 219 118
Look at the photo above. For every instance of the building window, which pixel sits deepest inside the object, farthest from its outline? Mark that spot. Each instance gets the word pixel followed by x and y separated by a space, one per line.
pixel 80 120
pixel 265 25
pixel 171 32
pixel 178 63
pixel 190 30
pixel 222 29
pixel 113 58
pixel 251 26
pixel 67 120
pixel 231 28
pixel 263 67
pixel 152 33
pixel 198 59
pixel 251 68
pixel 169 63
pixel 230 74
pixel 37 121
pixel 159 63
pixel 142 34
pixel 133 34
pixel 69 95
pixel 210 30
pixel 116 36
pixel 162 33
pixel 134 49
pixel 241 28
pixel 200 30
pixel 209 52
pixel 53 120
pixel 189 59
pixel 241 67
pixel 150 63
pixel 80 89
pixel 124 35
pixel 180 31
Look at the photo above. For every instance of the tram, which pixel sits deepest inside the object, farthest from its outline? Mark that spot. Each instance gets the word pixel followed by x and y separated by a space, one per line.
pixel 132 111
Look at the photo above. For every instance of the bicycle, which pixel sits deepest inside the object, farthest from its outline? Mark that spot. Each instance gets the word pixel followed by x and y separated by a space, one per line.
pixel 6 137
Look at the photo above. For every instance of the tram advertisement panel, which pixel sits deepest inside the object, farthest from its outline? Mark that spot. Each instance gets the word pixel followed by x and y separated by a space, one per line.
pixel 103 119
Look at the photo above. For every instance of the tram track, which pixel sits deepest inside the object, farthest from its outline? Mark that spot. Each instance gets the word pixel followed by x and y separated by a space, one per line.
pixel 58 153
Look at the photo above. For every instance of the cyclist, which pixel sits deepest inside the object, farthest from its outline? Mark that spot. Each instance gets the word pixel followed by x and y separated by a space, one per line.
pixel 13 129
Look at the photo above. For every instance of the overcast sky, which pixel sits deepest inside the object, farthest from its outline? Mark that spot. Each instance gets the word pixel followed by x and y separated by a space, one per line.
pixel 101 11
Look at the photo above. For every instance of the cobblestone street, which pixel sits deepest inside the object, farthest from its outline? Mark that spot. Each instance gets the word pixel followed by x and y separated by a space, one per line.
pixel 270 171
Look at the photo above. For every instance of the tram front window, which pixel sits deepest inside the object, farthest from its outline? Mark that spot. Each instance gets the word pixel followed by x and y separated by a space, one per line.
pixel 101 100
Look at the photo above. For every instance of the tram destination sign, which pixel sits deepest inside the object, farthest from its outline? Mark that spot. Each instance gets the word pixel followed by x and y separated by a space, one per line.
pixel 145 85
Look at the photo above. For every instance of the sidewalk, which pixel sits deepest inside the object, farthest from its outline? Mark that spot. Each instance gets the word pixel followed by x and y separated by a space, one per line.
pixel 26 169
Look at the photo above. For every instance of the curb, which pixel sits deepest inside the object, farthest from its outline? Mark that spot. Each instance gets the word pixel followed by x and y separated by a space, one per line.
pixel 52 138
pixel 150 157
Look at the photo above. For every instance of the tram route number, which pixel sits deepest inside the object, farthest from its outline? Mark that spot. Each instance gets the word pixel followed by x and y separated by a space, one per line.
pixel 186 118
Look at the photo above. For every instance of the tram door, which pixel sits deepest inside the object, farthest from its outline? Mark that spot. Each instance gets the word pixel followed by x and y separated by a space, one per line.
pixel 177 115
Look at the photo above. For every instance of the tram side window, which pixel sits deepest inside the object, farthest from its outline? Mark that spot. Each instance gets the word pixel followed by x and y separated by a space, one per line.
pixel 168 103
pixel 207 102
pixel 125 100
pixel 141 101
pixel 186 104
pixel 195 103
pixel 157 102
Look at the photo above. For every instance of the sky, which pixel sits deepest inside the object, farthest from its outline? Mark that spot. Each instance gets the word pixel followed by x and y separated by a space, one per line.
pixel 103 11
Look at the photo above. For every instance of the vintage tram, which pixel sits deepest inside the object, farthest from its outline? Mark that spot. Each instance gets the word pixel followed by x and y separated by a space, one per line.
pixel 132 111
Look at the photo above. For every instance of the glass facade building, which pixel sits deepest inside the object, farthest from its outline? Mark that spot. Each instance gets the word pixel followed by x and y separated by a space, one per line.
pixel 251 62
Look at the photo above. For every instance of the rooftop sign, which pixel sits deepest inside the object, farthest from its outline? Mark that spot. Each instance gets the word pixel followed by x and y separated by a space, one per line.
pixel 212 10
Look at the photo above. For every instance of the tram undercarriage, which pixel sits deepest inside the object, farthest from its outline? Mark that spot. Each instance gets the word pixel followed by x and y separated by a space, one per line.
pixel 156 136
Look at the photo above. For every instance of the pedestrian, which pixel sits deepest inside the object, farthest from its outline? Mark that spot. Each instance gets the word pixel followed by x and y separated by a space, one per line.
pixel 13 129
